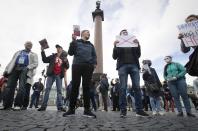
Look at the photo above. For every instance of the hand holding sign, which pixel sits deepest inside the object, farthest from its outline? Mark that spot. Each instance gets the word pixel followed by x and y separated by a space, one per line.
pixel 73 37
pixel 189 33
pixel 44 44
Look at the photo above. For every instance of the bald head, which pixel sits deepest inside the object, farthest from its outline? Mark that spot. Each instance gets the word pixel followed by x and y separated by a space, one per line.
pixel 28 45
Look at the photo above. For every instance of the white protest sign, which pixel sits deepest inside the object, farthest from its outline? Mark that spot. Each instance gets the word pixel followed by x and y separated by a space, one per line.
pixel 126 41
pixel 190 33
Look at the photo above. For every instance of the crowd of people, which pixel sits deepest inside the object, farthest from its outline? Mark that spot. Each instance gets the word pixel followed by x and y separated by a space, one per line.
pixel 156 95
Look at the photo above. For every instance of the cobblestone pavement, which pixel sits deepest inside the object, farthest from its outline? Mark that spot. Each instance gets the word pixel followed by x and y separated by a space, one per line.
pixel 51 120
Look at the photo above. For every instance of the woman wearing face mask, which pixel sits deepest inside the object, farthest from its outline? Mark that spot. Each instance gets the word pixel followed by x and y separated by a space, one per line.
pixel 174 74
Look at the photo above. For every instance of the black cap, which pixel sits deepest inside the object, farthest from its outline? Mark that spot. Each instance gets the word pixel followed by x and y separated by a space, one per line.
pixel 58 46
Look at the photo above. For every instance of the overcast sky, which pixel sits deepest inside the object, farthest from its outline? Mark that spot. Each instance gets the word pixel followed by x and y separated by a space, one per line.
pixel 152 21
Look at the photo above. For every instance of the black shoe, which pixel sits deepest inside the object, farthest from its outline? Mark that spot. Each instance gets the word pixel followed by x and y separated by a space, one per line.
pixel 69 113
pixel 30 107
pixel 61 109
pixel 190 115
pixel 123 113
pixel 141 113
pixel 6 108
pixel 89 114
pixel 24 108
pixel 42 109
pixel 180 114
pixel 36 107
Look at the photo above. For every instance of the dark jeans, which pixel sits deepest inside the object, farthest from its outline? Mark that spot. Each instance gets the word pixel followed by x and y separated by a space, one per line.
pixel 10 89
pixel 26 95
pixel 115 100
pixel 85 71
pixel 104 100
pixel 146 103
pixel 35 98
pixel 1 96
pixel 93 101
pixel 133 71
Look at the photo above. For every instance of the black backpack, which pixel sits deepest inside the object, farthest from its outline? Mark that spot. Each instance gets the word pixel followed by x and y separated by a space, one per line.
pixel 192 64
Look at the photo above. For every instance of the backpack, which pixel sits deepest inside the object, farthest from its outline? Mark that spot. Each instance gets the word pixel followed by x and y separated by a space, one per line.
pixel 192 64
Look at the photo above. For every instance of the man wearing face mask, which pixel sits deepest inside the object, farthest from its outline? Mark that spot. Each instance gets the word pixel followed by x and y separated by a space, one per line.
pixel 174 74
pixel 58 64
pixel 128 64
pixel 22 67
pixel 83 65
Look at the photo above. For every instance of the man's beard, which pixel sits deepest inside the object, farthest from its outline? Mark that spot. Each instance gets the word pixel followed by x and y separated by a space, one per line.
pixel 87 38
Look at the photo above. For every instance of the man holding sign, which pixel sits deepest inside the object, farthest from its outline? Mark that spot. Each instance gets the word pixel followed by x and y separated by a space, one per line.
pixel 127 52
pixel 189 33
pixel 189 38
pixel 84 62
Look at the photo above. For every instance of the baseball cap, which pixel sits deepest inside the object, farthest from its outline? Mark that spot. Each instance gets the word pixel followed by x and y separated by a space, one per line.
pixel 58 46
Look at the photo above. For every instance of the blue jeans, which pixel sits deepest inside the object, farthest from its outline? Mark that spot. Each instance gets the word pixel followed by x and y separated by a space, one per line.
pixel 179 88
pixel 93 101
pixel 133 71
pixel 35 98
pixel 155 104
pixel 49 83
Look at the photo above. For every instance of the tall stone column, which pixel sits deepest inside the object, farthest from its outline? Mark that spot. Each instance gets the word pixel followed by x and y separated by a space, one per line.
pixel 98 17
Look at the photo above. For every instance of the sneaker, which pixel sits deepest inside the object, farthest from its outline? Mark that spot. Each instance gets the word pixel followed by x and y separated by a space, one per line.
pixel 190 115
pixel 17 108
pixel 141 113
pixel 89 114
pixel 61 109
pixel 154 113
pixel 69 113
pixel 42 109
pixel 180 114
pixel 123 113
pixel 161 113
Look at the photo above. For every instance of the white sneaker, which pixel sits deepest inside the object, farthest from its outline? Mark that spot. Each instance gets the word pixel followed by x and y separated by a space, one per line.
pixel 161 113
pixel 17 108
pixel 154 113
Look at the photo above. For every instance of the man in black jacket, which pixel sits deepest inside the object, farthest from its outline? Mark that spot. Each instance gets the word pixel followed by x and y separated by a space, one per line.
pixel 37 88
pixel 83 65
pixel 104 87
pixel 58 64
pixel 128 64
pixel 115 93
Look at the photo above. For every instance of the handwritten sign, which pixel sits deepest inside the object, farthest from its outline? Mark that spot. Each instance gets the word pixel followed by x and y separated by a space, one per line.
pixel 190 33
pixel 126 41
